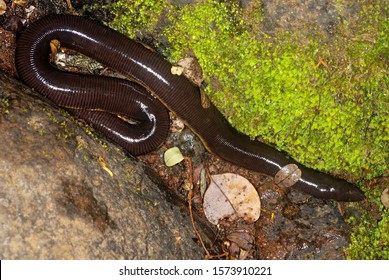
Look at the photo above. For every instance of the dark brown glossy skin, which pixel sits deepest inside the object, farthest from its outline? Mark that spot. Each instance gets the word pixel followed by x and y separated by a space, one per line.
pixel 152 72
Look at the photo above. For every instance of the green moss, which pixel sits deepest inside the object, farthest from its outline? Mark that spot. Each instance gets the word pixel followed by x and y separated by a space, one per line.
pixel 370 239
pixel 277 89
pixel 136 15
pixel 4 104
pixel 325 104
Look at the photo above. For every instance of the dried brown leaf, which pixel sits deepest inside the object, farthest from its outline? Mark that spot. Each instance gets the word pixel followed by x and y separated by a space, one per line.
pixel 231 197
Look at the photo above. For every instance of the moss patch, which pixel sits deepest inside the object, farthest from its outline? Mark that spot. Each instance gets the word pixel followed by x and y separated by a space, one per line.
pixel 370 238
pixel 132 17
pixel 291 94
pixel 4 104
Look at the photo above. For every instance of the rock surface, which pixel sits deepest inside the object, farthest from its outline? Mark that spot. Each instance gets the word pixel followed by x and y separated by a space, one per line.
pixel 65 195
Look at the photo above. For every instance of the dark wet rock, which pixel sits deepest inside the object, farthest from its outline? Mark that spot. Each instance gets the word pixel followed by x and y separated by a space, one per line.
pixel 69 195
pixel 188 143
pixel 300 227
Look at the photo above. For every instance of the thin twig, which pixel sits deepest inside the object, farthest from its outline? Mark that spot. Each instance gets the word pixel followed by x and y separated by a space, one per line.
pixel 190 196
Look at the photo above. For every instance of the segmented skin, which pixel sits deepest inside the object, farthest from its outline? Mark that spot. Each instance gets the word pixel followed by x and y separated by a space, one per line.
pixel 100 99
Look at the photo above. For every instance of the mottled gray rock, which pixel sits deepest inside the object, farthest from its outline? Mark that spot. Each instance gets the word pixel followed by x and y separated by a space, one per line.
pixel 58 201
pixel 302 16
